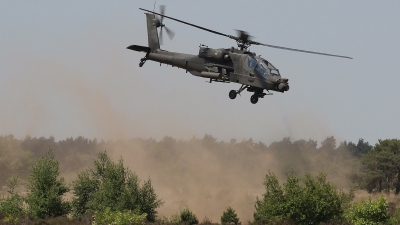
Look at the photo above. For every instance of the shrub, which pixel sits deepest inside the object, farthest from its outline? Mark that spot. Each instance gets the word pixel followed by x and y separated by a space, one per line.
pixel 110 185
pixel 162 220
pixel 175 219
pixel 206 221
pixel 188 217
pixel 229 216
pixel 395 218
pixel 11 219
pixel 108 217
pixel 368 212
pixel 12 205
pixel 45 191
pixel 304 200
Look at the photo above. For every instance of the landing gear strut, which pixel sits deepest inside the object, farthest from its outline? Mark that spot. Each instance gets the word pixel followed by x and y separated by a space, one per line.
pixel 142 61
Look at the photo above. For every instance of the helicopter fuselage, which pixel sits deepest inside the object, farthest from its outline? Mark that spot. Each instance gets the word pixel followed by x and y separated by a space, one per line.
pixel 221 65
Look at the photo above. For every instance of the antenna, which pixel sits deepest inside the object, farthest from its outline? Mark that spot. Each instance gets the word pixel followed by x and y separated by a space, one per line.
pixel 154 7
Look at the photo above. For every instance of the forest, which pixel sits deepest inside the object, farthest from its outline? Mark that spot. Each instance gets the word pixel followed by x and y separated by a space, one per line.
pixel 174 181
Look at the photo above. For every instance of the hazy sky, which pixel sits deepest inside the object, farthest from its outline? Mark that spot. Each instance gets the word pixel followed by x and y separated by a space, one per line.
pixel 65 70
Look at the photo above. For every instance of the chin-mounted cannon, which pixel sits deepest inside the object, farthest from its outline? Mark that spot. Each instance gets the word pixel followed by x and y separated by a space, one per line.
pixel 282 84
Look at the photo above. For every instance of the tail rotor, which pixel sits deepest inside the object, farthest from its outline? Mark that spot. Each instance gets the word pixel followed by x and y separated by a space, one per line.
pixel 170 33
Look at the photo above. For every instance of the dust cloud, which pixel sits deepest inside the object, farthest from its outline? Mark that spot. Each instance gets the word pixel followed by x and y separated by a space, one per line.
pixel 208 175
pixel 197 177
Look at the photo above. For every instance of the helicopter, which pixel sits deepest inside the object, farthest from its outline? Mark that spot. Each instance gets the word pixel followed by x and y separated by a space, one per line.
pixel 237 65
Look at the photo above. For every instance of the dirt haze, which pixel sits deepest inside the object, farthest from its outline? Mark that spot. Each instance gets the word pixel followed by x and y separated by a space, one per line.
pixel 208 176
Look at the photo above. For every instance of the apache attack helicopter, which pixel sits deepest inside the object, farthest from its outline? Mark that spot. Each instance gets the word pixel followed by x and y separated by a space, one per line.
pixel 236 65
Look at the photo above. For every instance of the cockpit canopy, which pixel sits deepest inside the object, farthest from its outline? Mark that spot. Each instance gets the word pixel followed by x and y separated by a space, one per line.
pixel 262 66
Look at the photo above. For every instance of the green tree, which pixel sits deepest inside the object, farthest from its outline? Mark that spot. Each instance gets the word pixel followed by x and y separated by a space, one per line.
pixel 45 190
pixel 359 149
pixel 229 216
pixel 110 185
pixel 328 144
pixel 382 167
pixel 368 212
pixel 304 200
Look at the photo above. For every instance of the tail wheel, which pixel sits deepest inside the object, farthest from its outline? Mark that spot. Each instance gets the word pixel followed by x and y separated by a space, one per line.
pixel 232 94
pixel 254 99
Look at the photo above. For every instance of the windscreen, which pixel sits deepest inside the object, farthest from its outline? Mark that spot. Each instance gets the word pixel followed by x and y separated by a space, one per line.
pixel 262 66
pixel 272 69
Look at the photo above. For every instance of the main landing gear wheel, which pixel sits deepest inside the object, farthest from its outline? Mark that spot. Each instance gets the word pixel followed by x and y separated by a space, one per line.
pixel 232 94
pixel 254 99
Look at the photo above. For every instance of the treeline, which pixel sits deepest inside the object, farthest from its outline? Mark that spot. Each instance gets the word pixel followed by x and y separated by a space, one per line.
pixel 341 161
pixel 17 156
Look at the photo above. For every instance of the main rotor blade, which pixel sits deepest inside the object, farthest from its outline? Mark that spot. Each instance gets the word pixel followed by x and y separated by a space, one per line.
pixel 299 50
pixel 241 36
pixel 212 31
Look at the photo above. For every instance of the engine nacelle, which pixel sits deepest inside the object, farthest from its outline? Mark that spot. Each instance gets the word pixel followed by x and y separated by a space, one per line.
pixel 220 54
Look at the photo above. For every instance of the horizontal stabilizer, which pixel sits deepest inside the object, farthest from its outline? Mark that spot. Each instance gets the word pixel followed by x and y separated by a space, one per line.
pixel 139 48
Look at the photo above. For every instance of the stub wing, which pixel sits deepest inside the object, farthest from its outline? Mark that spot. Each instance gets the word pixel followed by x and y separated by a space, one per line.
pixel 139 48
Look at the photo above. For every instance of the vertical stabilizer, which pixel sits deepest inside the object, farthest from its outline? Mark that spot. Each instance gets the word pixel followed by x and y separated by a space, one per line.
pixel 152 24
